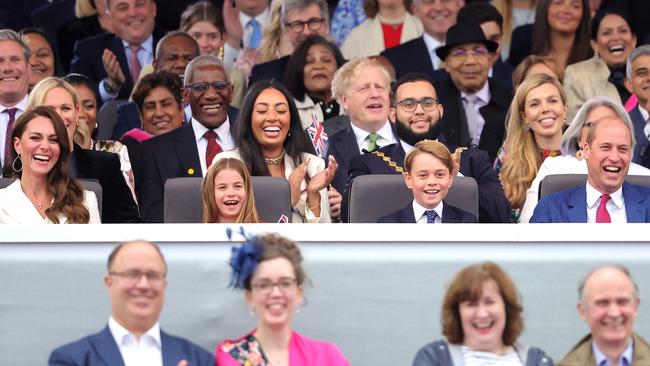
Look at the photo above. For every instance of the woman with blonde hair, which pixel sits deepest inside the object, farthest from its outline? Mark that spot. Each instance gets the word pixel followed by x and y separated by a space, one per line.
pixel 533 132
pixel 534 65
pixel 118 205
pixel 228 193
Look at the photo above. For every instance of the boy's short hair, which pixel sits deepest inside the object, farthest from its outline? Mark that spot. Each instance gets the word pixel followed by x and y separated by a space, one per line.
pixel 432 147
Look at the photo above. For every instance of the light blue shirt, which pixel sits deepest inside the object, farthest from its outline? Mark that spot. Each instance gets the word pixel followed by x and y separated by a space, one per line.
pixel 145 57
pixel 624 360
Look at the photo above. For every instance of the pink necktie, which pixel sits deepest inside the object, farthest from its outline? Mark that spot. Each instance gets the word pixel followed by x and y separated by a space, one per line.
pixel 213 147
pixel 602 216
pixel 135 63
pixel 8 143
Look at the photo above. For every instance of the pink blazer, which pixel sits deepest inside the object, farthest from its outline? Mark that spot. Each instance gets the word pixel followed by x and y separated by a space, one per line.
pixel 303 351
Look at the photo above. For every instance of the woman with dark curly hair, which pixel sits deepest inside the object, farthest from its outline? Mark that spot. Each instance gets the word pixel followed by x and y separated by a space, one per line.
pixel 44 192
pixel 309 77
pixel 269 270
pixel 271 142
pixel 481 319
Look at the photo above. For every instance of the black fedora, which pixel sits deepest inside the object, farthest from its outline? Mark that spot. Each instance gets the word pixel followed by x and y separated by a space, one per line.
pixel 462 33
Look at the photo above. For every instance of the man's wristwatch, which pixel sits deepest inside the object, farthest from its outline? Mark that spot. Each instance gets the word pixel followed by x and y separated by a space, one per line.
pixel 109 87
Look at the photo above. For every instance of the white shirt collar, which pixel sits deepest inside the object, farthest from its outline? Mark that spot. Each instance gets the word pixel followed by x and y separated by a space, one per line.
pixel 483 94
pixel 122 335
pixel 147 45
pixel 593 197
pixel 262 18
pixel 432 44
pixel 22 105
pixel 223 131
pixel 419 211
pixel 644 113
pixel 385 135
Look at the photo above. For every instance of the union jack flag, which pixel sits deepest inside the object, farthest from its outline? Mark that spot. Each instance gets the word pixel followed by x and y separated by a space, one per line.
pixel 318 136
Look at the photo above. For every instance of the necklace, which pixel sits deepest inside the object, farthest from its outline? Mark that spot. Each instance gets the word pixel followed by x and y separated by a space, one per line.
pixel 39 204
pixel 276 160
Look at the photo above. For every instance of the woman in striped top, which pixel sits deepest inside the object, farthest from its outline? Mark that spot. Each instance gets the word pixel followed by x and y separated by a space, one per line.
pixel 481 319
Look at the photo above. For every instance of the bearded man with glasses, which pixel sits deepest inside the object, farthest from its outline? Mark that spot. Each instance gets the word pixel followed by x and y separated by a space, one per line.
pixel 188 150
pixel 136 282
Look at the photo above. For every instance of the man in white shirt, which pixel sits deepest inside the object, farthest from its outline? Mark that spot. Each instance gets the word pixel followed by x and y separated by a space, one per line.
pixel 419 55
pixel 188 151
pixel 606 197
pixel 136 282
pixel 608 303
pixel 14 82
pixel 362 88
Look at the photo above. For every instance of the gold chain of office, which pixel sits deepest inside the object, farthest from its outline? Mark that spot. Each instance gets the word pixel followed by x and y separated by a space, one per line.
pixel 388 160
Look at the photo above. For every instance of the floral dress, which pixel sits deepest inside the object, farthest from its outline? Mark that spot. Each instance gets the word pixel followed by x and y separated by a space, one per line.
pixel 246 351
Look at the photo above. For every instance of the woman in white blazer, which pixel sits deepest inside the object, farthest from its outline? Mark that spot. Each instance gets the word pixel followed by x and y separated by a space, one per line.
pixel 271 142
pixel 389 24
pixel 43 192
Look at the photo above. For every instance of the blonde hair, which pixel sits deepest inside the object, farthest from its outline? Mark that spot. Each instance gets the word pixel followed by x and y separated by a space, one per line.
pixel 248 213
pixel 84 8
pixel 271 45
pixel 351 70
pixel 523 159
pixel 433 148
pixel 37 97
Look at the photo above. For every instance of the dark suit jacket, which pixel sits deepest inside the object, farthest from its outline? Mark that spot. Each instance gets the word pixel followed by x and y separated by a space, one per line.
pixel 571 205
pixel 454 122
pixel 343 147
pixel 88 59
pixel 641 139
pixel 100 350
pixel 269 70
pixel 170 155
pixel 521 44
pixel 118 205
pixel 450 214
pixel 492 203
pixel 412 56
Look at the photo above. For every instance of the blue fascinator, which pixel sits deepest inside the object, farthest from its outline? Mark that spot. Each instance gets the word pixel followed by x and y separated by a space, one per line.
pixel 243 259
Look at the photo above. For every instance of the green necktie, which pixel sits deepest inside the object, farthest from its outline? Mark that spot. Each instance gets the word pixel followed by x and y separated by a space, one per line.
pixel 372 141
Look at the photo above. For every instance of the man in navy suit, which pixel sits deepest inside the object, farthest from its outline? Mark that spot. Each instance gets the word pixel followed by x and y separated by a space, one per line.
pixel 115 61
pixel 362 88
pixel 136 282
pixel 606 197
pixel 428 173
pixel 188 150
pixel 418 55
pixel 299 19
pixel 637 80
pixel 415 114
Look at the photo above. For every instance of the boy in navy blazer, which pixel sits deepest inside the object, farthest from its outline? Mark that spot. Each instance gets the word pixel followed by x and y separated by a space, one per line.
pixel 429 174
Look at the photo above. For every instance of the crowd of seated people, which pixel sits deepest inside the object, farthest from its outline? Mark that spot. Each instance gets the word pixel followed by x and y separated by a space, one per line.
pixel 160 99
pixel 482 312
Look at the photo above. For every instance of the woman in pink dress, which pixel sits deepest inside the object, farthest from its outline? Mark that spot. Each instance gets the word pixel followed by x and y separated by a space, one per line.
pixel 268 269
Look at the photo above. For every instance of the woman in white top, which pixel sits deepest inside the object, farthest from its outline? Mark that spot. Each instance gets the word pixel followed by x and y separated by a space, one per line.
pixel 270 141
pixel 44 192
pixel 481 321
pixel 389 24
pixel 574 138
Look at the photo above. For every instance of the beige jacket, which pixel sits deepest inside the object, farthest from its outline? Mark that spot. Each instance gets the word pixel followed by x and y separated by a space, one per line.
pixel 582 354
pixel 367 39
pixel 587 79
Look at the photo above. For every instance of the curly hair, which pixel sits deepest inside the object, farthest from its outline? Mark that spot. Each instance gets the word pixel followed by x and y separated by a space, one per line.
pixel 248 213
pixel 467 285
pixel 277 246
pixel 67 194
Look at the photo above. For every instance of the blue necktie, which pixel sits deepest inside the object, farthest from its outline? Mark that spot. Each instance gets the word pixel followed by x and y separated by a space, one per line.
pixel 256 35
pixel 431 216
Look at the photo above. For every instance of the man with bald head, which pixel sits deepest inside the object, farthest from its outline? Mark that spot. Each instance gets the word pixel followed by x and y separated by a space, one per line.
pixel 136 281
pixel 608 302
pixel 606 197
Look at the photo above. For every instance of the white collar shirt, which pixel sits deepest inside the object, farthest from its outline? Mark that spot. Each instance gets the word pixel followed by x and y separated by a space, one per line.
pixel 482 99
pixel 385 133
pixel 420 213
pixel 136 352
pixel 432 44
pixel 4 120
pixel 223 139
pixel 615 206
pixel 145 54
pixel 263 18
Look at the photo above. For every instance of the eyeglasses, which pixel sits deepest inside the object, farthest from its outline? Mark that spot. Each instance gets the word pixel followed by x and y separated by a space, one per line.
pixel 133 276
pixel 285 285
pixel 460 53
pixel 313 23
pixel 203 86
pixel 410 104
